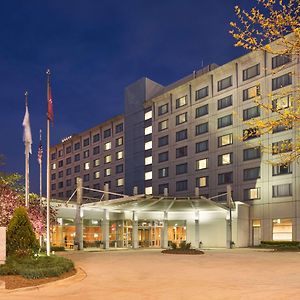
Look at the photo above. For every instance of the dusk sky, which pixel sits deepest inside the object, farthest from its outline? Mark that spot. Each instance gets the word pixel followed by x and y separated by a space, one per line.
pixel 94 50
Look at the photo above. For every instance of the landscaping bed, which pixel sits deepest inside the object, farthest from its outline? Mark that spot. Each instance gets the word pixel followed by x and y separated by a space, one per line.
pixel 179 251
pixel 281 246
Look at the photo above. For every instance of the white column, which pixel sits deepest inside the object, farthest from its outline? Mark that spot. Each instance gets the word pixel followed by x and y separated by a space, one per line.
pixel 2 245
pixel 105 229
pixel 79 215
pixel 135 233
pixel 164 234
pixel 197 229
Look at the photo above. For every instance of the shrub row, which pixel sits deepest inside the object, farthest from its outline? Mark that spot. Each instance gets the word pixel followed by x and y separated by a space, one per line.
pixel 54 248
pixel 280 243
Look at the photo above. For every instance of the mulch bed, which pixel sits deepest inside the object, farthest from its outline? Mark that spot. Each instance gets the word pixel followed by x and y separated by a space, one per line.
pixel 178 251
pixel 17 281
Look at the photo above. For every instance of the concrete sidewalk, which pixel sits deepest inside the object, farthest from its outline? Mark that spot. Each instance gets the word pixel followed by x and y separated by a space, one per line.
pixel 149 274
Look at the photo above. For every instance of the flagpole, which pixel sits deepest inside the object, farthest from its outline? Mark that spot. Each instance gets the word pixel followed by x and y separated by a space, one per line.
pixel 26 162
pixel 40 163
pixel 48 169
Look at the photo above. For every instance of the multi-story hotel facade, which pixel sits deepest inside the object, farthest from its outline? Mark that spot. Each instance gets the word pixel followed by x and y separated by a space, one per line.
pixel 188 139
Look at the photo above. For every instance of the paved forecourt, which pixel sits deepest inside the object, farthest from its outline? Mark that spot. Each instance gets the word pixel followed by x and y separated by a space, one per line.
pixel 148 274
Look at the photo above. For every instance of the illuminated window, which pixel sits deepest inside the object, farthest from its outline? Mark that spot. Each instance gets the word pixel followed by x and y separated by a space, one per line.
pixel 202 181
pixel 181 101
pixel 182 118
pixel 119 155
pixel 119 141
pixel 163 125
pixel 148 190
pixel 148 115
pixel 96 162
pixel 53 166
pixel 86 166
pixel 148 175
pixel 96 175
pixel 120 182
pixel 225 140
pixel 148 145
pixel 148 130
pixel 281 103
pixel 107 159
pixel 251 92
pixel 202 164
pixel 148 160
pixel 107 172
pixel 225 159
pixel 252 194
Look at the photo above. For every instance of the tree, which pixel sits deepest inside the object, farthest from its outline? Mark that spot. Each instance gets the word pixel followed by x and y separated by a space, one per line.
pixel 274 27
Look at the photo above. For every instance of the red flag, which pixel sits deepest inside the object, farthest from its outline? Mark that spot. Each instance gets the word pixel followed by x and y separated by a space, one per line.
pixel 50 104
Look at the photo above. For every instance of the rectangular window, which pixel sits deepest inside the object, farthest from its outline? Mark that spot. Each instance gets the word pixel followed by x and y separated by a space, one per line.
pixel 162 187
pixel 86 177
pixel 251 72
pixel 60 185
pixel 96 150
pixel 53 186
pixel 201 146
pixel 251 92
pixel 96 174
pixel 119 155
pixel 60 153
pixel 163 141
pixel 181 152
pixel 181 169
pixel 60 163
pixel 107 159
pixel 202 181
pixel 148 130
pixel 202 164
pixel 148 145
pixel 77 169
pixel 252 173
pixel 86 166
pixel 225 178
pixel 119 141
pixel 250 133
pixel 251 153
pixel 225 121
pixel 163 156
pixel 224 83
pixel 163 125
pixel 53 176
pixel 68 171
pixel 281 81
pixel 96 138
pixel 120 182
pixel 281 103
pixel 107 172
pixel 251 112
pixel 201 93
pixel 68 160
pixel 181 101
pixel 148 115
pixel 77 146
pixel 282 190
pixel 182 118
pixel 86 153
pixel 280 60
pixel 107 133
pixel 280 128
pixel 225 159
pixel 181 135
pixel 282 146
pixel 281 169
pixel 68 149
pixel 119 169
pixel 53 156
pixel 68 182
pixel 163 109
pixel 148 160
pixel 225 102
pixel 181 185
pixel 96 162
pixel 252 194
pixel 225 140
pixel 201 111
pixel 164 172
pixel 119 128
pixel 201 128
pixel 60 174
pixel 86 142
pixel 148 175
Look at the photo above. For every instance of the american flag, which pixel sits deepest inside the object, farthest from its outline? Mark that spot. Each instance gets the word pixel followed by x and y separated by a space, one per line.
pixel 40 150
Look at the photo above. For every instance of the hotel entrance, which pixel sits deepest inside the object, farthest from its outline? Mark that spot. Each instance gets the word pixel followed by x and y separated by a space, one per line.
pixel 149 233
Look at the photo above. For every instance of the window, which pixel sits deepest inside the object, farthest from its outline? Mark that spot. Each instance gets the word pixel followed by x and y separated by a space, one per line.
pixel 119 155
pixel 86 153
pixel 163 125
pixel 96 150
pixel 53 156
pixel 251 112
pixel 163 141
pixel 53 186
pixel 77 157
pixel 96 162
pixel 201 128
pixel 163 109
pixel 108 183
pixel 107 146
pixel 86 142
pixel 202 164
pixel 53 176
pixel 86 166
pixel 281 103
pixel 107 172
pixel 96 186
pixel 202 146
pixel 164 172
pixel 148 175
pixel 96 138
pixel 120 182
pixel 68 149
pixel 181 169
pixel 252 194
pixel 68 171
pixel 251 72
pixel 86 177
pixel 181 135
pixel 252 173
pixel 181 152
pixel 202 181
pixel 107 133
pixel 224 83
pixel 280 128
pixel 225 121
pixel 69 182
pixel 96 174
pixel 148 145
pixel 225 159
pixel 281 81
pixel 148 190
pixel 281 169
pixel 107 159
pixel 77 146
pixel 77 169
pixel 251 153
pixel 181 185
pixel 68 160
pixel 60 174
pixel 225 178
pixel 225 140
pixel 148 115
pixel 148 130
pixel 251 92
pixel 162 187
pixel 119 128
pixel 225 102
pixel 60 163
pixel 148 160
pixel 119 141
pixel 201 111
pixel 282 146
pixel 282 190
pixel 163 156
pixel 201 93
pixel 182 118
pixel 250 133
pixel 119 169
pixel 60 153
pixel 280 60
pixel 181 101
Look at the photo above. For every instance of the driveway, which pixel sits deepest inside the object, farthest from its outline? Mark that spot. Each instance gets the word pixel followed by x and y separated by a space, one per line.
pixel 148 274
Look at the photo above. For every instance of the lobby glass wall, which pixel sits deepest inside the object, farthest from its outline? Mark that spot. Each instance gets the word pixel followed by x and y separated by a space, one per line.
pixel 176 231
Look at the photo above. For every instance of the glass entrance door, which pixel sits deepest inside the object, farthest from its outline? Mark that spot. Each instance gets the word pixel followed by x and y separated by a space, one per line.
pixel 149 233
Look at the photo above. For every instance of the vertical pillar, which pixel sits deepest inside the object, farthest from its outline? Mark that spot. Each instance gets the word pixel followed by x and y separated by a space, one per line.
pixel 106 190
pixel 105 229
pixel 135 233
pixel 229 224
pixel 197 229
pixel 2 245
pixel 135 190
pixel 164 235
pixel 79 216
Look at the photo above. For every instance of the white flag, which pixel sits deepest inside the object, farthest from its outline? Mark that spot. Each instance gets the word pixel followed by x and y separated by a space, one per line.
pixel 27 139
